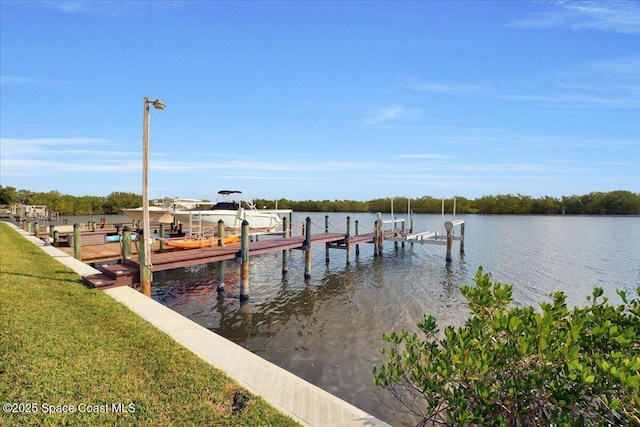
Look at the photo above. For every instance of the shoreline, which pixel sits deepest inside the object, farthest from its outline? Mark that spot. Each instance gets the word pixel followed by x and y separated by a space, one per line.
pixel 292 395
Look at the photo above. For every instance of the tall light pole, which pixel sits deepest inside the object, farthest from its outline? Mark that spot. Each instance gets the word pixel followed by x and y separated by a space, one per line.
pixel 147 242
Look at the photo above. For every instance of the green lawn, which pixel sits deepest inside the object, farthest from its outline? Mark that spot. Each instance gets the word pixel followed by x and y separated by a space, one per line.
pixel 62 343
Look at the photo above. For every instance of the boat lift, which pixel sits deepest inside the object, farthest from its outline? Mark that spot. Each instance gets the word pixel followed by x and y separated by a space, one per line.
pixel 429 237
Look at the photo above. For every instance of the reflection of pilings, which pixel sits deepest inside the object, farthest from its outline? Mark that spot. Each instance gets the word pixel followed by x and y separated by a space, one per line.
pixel 221 273
pixel 244 261
pixel 307 250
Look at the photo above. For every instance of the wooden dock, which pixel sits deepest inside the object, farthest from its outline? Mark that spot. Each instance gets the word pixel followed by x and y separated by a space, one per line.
pixel 127 274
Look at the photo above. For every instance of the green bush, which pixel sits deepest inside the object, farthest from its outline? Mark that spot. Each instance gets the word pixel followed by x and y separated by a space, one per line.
pixel 518 366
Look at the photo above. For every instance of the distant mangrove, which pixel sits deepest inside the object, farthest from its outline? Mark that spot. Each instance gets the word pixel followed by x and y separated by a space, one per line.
pixel 618 202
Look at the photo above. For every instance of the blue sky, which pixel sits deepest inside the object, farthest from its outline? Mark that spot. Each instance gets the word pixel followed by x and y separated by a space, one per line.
pixel 321 100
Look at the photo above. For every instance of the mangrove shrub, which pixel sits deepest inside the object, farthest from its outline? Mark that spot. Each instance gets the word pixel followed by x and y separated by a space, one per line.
pixel 513 366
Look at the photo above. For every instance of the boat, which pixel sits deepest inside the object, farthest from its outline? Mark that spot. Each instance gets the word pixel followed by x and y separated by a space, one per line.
pixel 156 214
pixel 163 210
pixel 233 210
pixel 204 242
pixel 118 238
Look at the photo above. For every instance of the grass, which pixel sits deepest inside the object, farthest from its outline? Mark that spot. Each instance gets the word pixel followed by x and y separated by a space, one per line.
pixel 62 343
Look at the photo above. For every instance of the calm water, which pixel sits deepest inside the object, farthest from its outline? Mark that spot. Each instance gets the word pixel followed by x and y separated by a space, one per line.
pixel 328 329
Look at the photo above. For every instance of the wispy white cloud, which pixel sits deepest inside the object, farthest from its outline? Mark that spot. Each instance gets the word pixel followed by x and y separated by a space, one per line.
pixel 389 114
pixel 422 156
pixel 611 16
pixel 608 83
pixel 111 8
pixel 441 87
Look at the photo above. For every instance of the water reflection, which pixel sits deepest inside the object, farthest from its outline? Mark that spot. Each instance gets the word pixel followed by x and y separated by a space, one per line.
pixel 328 329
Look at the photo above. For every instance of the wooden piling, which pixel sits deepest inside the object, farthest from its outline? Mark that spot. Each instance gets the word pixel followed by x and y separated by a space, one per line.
pixel 285 252
pixel 348 240
pixel 395 234
pixel 307 250
pixel 357 245
pixel 244 261
pixel 77 251
pixel 449 246
pixel 326 245
pixel 449 227
pixel 462 238
pixel 162 232
pixel 220 232
pixel 379 236
pixel 125 248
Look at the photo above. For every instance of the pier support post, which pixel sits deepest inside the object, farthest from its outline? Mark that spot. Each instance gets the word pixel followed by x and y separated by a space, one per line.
pixel 144 254
pixel 348 240
pixel 220 232
pixel 285 253
pixel 244 261
pixel 395 234
pixel 379 235
pixel 462 238
pixel 125 249
pixel 357 232
pixel 326 245
pixel 307 250
pixel 162 231
pixel 449 227
pixel 77 251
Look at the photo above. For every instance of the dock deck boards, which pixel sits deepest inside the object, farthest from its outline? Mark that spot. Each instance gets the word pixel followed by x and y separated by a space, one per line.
pixel 128 275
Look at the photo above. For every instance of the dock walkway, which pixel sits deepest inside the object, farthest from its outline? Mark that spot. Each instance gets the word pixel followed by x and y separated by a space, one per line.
pixel 128 274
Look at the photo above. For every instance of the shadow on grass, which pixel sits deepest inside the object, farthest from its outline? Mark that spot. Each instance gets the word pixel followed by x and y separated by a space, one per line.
pixel 33 276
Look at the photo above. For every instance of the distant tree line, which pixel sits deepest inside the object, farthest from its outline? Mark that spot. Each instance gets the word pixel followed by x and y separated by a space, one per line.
pixel 65 204
pixel 596 203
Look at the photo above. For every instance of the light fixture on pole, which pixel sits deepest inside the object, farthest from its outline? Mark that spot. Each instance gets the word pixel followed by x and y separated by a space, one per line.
pixel 147 241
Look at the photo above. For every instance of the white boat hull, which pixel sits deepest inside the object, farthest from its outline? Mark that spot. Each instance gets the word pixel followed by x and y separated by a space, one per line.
pixel 259 221
pixel 156 214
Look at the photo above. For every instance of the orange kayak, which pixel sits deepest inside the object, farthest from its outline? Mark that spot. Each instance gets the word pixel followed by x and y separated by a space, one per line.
pixel 200 243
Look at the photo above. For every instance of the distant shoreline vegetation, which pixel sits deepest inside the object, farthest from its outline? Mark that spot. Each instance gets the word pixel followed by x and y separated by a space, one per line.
pixel 618 202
